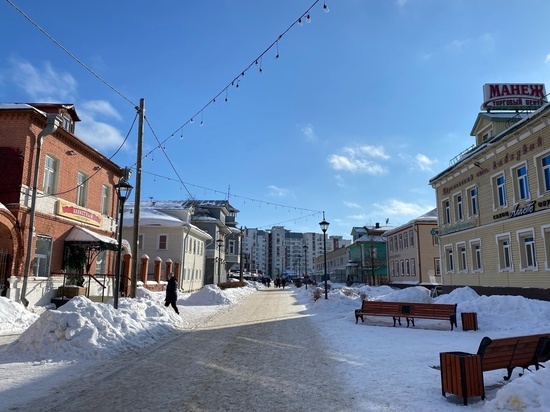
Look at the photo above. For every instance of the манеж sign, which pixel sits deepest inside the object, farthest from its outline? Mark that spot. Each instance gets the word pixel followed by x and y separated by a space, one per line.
pixel 513 96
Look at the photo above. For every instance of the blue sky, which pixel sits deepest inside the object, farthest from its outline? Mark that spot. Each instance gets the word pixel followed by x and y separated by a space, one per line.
pixel 363 106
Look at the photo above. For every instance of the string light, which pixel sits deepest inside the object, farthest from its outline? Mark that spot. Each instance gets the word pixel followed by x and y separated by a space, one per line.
pixel 308 18
pixel 325 8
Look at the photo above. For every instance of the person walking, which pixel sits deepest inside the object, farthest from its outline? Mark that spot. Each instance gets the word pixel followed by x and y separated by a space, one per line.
pixel 172 293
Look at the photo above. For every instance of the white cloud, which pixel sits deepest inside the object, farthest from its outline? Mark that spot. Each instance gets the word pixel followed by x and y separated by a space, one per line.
pixel 277 191
pixel 99 135
pixel 101 107
pixel 547 60
pixel 396 207
pixel 354 160
pixel 308 132
pixel 351 205
pixel 46 84
pixel 424 162
pixel 43 84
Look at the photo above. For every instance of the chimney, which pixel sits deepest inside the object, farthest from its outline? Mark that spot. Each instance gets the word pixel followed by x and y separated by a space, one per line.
pixel 377 225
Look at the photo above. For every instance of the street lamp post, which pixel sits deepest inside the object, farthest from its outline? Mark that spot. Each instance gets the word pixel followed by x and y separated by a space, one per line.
pixel 305 265
pixel 123 190
pixel 324 226
pixel 220 244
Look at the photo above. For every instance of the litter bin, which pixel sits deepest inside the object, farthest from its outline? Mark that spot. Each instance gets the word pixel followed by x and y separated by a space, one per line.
pixel 461 375
pixel 469 320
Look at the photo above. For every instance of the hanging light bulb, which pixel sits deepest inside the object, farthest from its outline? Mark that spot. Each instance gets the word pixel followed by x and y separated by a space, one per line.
pixel 192 121
pixel 300 21
pixel 325 7
pixel 308 18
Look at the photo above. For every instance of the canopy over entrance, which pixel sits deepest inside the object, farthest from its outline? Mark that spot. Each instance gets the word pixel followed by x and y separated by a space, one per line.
pixel 81 235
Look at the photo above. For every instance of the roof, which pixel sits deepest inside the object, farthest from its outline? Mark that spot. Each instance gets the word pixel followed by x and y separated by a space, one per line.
pixel 490 142
pixel 430 217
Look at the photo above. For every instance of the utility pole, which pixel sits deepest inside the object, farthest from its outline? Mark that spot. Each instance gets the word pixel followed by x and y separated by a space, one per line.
pixel 137 198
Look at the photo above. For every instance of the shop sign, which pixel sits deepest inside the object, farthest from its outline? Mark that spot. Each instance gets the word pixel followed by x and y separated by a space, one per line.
pixel 522 211
pixel 516 155
pixel 513 96
pixel 75 212
pixel 461 226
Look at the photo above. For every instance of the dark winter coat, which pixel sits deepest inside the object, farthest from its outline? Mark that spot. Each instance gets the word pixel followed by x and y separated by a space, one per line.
pixel 171 290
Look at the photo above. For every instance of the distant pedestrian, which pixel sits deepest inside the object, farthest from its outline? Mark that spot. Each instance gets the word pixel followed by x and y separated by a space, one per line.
pixel 283 282
pixel 172 293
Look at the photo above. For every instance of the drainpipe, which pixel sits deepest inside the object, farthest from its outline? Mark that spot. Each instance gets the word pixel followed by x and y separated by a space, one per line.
pixel 52 123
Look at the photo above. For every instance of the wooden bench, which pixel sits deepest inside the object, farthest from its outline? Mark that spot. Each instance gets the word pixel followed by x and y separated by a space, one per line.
pixel 514 352
pixel 462 373
pixel 409 310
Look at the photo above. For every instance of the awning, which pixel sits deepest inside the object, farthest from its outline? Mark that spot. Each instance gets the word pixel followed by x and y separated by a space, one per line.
pixel 84 236
pixel 81 234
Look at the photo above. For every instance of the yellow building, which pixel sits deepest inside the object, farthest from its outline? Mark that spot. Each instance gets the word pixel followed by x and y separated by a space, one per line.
pixel 493 201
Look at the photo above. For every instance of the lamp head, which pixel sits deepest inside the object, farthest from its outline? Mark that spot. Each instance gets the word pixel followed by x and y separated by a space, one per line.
pixel 324 225
pixel 123 189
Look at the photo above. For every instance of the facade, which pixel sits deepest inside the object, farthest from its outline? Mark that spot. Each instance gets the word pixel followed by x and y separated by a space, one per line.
pixel 413 252
pixel 279 251
pixel 219 220
pixel 336 266
pixel 368 255
pixel 493 207
pixel 74 203
pixel 167 236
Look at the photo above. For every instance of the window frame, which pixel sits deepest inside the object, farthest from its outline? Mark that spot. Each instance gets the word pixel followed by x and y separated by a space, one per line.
pixel 449 259
pixel 504 249
pixel 458 203
pixel 462 257
pixel 81 189
pixel 477 255
pixel 543 172
pixel 499 191
pixel 159 236
pixel 473 201
pixel 51 174
pixel 521 182
pixel 527 249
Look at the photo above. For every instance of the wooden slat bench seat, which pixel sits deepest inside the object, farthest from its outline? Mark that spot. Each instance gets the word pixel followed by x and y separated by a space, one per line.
pixel 462 373
pixel 408 310
pixel 514 352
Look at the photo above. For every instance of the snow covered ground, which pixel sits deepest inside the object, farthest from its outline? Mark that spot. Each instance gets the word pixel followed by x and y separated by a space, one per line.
pixel 392 369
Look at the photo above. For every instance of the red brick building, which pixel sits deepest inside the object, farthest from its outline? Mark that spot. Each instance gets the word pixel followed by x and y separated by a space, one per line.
pixel 75 202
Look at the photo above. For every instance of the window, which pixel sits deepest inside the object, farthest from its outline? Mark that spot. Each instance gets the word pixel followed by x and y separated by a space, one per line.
pixel 475 247
pixel 526 242
pixel 396 268
pixel 449 258
pixel 435 240
pixel 407 267
pixel 105 198
pixel 101 262
pixel 472 199
pixel 447 211
pixel 51 172
pixel 395 240
pixel 391 244
pixel 546 237
pixel 499 191
pixel 437 266
pixel 405 240
pixel 462 266
pixel 543 173
pixel 521 184
pixel 401 241
pixel 459 214
pixel 402 268
pixel 162 243
pixel 42 256
pixel 504 252
pixel 81 189
pixel 411 238
pixel 413 267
